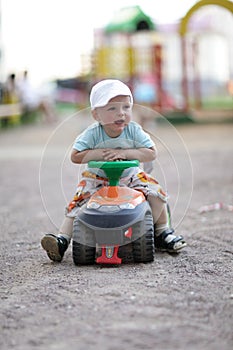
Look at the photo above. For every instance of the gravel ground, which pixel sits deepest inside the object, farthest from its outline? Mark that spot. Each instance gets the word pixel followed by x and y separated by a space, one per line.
pixel 177 302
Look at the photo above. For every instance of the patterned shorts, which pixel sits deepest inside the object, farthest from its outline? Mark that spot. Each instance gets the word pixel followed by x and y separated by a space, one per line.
pixel 91 183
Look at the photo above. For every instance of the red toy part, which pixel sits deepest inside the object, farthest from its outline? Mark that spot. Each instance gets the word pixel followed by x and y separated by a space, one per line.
pixel 129 233
pixel 109 255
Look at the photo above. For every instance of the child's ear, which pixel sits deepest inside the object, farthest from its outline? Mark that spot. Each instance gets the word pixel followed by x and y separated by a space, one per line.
pixel 95 115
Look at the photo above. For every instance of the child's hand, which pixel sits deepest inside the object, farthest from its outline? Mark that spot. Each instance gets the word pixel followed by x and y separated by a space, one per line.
pixel 113 154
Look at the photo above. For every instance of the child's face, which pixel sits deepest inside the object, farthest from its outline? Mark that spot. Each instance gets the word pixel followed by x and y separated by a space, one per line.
pixel 115 115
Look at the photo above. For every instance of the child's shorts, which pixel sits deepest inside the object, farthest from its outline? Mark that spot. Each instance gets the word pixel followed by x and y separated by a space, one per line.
pixel 90 183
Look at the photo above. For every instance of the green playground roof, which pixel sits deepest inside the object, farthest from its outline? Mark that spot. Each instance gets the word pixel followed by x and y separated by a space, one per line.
pixel 129 20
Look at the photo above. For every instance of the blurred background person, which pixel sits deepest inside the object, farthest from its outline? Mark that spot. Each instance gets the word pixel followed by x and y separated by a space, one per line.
pixel 10 97
pixel 34 101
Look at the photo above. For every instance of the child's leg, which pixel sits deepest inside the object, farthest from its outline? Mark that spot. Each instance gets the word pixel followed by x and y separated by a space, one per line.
pixel 163 234
pixel 56 246
pixel 159 213
pixel 66 229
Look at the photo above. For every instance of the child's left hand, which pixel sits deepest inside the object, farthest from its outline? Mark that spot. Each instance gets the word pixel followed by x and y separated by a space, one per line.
pixel 113 154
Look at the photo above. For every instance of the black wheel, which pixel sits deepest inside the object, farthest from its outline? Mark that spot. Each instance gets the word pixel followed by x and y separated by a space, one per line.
pixel 143 247
pixel 125 253
pixel 84 249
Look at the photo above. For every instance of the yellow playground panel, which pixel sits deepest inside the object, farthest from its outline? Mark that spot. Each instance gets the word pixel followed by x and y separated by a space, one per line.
pixel 116 62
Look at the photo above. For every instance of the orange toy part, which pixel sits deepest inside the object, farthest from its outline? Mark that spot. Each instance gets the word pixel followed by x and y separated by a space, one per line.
pixel 146 178
pixel 117 195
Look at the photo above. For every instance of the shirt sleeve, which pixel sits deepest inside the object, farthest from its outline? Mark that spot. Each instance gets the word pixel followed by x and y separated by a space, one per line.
pixel 142 138
pixel 84 141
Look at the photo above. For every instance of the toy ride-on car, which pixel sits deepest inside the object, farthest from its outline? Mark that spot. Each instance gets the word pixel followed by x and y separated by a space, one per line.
pixel 113 218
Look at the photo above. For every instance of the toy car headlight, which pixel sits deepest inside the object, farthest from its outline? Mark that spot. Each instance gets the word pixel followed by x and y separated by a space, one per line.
pixel 93 205
pixel 127 206
pixel 109 208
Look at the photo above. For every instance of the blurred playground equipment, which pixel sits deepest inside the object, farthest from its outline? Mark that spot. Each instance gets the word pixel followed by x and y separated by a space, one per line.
pixel 130 48
pixel 210 40
pixel 176 69
pixel 185 66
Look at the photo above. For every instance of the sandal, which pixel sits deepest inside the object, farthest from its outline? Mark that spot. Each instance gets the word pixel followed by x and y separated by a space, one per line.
pixel 168 242
pixel 54 246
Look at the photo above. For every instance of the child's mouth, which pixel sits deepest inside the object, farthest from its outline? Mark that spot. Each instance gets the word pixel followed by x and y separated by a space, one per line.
pixel 119 122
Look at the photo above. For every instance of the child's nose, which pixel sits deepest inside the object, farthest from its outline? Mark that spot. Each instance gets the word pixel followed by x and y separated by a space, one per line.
pixel 121 112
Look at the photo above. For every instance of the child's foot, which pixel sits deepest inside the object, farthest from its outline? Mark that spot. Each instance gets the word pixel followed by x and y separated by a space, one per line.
pixel 168 242
pixel 54 246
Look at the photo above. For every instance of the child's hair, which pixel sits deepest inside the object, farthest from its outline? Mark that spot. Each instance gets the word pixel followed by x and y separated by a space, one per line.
pixel 105 90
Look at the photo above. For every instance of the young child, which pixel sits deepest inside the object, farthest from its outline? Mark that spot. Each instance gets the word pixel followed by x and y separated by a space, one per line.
pixel 114 136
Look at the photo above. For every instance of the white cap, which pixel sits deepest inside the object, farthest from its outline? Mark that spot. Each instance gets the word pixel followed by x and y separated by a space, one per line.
pixel 105 90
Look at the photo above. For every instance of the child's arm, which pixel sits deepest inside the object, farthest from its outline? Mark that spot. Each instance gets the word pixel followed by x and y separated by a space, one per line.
pixel 87 155
pixel 142 154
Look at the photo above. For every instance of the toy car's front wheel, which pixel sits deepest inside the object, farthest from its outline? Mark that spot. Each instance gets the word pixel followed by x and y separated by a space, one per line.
pixel 143 247
pixel 84 249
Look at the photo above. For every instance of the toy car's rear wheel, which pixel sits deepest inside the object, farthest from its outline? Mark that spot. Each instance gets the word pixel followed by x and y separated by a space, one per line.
pixel 125 253
pixel 143 247
pixel 84 249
